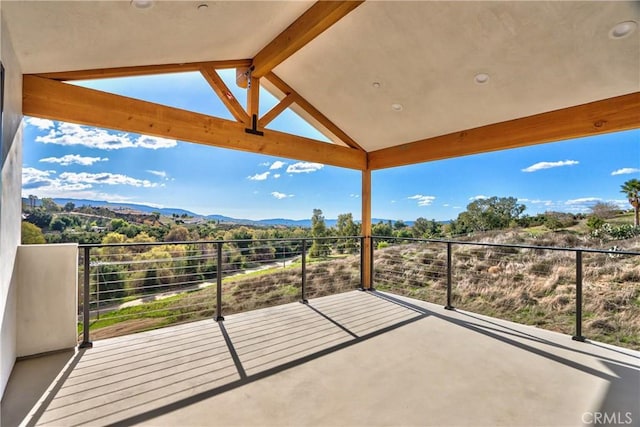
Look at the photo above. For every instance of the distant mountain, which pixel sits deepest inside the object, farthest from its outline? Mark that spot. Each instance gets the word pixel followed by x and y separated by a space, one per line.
pixel 178 211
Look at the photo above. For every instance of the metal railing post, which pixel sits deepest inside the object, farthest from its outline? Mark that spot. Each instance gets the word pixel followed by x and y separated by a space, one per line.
pixel 578 336
pixel 86 314
pixel 371 268
pixel 303 296
pixel 448 306
pixel 219 282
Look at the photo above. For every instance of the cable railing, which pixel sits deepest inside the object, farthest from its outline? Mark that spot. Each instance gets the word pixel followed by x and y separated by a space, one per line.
pixel 582 292
pixel 129 287
pixel 577 291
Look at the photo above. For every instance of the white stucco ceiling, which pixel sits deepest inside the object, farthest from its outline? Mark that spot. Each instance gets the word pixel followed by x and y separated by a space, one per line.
pixel 79 35
pixel 540 56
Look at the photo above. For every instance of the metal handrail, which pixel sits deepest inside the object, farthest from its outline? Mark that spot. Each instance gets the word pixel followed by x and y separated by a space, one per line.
pixel 220 272
pixel 303 247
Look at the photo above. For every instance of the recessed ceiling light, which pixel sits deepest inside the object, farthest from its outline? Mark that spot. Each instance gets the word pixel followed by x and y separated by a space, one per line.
pixel 396 107
pixel 623 29
pixel 481 78
pixel 376 85
pixel 202 7
pixel 142 4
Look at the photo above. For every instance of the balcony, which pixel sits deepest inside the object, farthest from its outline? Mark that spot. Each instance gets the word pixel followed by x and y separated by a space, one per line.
pixel 343 356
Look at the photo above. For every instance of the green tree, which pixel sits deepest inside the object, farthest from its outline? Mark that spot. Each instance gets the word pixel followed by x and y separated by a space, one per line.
pixel 69 206
pixel 382 229
pixel 117 224
pixel 346 227
pixel 39 217
pixel 631 189
pixel 492 213
pixel 57 224
pixel 399 225
pixel 32 234
pixel 426 228
pixel 49 205
pixel 318 230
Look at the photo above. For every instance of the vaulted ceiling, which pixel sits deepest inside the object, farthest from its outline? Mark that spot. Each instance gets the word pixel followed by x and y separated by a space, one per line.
pixel 396 81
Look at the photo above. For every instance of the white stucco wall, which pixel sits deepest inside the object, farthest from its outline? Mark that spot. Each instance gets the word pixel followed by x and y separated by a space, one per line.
pixel 47 278
pixel 10 201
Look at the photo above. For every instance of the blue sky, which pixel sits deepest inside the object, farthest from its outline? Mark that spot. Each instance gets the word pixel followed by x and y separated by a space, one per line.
pixel 72 161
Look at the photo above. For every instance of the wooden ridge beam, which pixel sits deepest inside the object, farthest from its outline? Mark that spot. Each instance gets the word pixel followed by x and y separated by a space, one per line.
pixel 225 95
pixel 61 101
pixel 315 20
pixel 313 111
pixel 604 116
pixel 143 70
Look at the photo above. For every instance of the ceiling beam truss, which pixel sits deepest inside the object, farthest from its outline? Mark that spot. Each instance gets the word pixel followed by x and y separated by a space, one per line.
pixel 225 95
pixel 276 110
pixel 599 117
pixel 314 21
pixel 144 70
pixel 65 102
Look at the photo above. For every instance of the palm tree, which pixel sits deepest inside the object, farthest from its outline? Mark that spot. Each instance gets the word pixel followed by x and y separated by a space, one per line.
pixel 632 189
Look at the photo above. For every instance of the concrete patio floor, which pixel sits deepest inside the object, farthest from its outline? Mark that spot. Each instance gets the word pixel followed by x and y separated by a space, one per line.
pixel 359 358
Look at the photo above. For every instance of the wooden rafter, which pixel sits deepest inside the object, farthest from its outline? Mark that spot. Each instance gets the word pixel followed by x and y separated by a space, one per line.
pixel 225 95
pixel 143 70
pixel 54 100
pixel 315 20
pixel 608 115
pixel 276 110
pixel 312 111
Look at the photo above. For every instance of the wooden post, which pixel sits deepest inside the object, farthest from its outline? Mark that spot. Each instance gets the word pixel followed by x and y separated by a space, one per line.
pixel 253 97
pixel 366 228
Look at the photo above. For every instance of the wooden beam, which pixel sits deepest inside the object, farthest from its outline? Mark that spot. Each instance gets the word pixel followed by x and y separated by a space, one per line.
pixel 225 95
pixel 61 101
pixel 253 97
pixel 276 110
pixel 143 70
pixel 313 112
pixel 366 229
pixel 315 20
pixel 608 115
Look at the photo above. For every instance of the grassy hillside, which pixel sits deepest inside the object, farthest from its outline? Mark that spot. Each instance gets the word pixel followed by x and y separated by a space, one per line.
pixel 535 287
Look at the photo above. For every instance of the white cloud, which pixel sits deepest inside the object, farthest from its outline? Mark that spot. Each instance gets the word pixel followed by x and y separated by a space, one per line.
pixel 478 197
pixel 259 176
pixel 69 134
pixel 161 174
pixel 41 124
pixel 582 201
pixel 304 167
pixel 281 196
pixel 71 159
pixel 548 165
pixel 276 176
pixel 625 171
pixel 105 178
pixel 45 184
pixel 354 196
pixel 446 205
pixel 422 200
pixel 277 165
